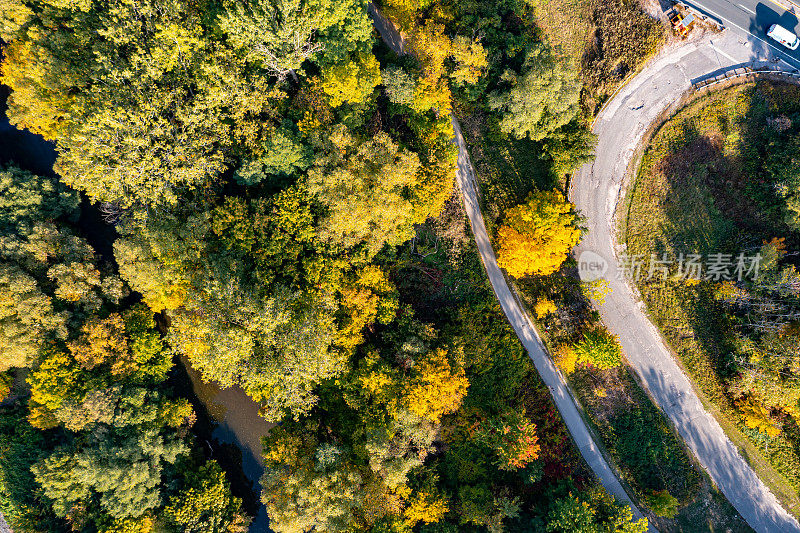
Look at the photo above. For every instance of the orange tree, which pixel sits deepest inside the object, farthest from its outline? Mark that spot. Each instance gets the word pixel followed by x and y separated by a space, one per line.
pixel 537 236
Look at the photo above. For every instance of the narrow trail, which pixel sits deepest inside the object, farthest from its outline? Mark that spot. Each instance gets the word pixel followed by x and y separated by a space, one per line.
pixel 520 321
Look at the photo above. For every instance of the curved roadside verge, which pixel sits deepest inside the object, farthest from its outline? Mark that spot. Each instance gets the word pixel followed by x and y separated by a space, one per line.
pixel 596 190
pixel 522 324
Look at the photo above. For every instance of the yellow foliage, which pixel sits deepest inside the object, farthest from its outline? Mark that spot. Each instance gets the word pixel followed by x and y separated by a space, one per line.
pixel 177 413
pixel 538 235
pixel 438 389
pixel 756 416
pixel 57 372
pixel 351 81
pixel 544 307
pixel 596 290
pixel 565 358
pixel 130 525
pixel 470 58
pixel 169 297
pixel 425 507
pixel 32 105
pixel 431 46
pixel 101 342
pixel 364 302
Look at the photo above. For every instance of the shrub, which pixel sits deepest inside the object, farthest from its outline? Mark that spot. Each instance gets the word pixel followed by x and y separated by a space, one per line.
pixel 565 358
pixel 544 307
pixel 662 503
pixel 599 348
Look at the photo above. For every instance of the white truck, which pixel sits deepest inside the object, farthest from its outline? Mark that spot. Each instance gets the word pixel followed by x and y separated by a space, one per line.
pixel 783 36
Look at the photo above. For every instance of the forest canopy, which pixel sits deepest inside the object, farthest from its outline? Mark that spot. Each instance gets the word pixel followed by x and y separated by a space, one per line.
pixel 271 175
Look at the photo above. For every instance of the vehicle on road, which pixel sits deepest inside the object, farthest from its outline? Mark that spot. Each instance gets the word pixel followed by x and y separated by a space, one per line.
pixel 783 36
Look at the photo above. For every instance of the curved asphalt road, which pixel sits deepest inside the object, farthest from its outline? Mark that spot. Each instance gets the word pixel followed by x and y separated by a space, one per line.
pixel 596 191
pixel 566 404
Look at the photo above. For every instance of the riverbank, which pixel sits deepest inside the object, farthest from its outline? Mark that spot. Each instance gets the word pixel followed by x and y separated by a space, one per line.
pixel 232 420
pixel 236 421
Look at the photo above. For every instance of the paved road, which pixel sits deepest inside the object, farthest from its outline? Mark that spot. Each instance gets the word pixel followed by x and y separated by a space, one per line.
pixel 565 403
pixel 595 190
pixel 751 19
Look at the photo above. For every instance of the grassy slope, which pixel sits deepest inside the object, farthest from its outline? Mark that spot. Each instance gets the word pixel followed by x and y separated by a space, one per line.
pixel 692 194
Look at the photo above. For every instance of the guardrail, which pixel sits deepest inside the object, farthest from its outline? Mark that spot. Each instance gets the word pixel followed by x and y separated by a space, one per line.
pixel 740 72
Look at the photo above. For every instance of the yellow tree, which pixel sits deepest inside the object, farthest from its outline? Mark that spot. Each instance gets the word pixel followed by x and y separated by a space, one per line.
pixel 538 235
pixel 438 389
pixel 350 81
pixel 425 507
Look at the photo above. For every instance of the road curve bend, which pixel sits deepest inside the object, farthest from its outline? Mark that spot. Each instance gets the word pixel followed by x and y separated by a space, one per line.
pixel 596 190
pixel 520 321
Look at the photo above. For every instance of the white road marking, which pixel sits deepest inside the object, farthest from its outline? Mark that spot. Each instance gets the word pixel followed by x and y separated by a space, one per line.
pixel 746 9
pixel 748 32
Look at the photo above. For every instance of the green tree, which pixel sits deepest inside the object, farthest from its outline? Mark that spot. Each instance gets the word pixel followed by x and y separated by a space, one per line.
pixel 21 498
pixel 124 470
pixel 400 86
pixel 364 185
pixel 283 154
pixel 599 348
pixel 309 484
pixel 540 101
pixel 281 35
pixel 248 287
pixel 26 197
pixel 27 318
pixel 205 504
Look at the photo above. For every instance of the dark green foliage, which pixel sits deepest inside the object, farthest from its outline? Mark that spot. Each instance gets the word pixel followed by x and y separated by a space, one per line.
pixel 652 453
pixel 22 500
pixel 26 197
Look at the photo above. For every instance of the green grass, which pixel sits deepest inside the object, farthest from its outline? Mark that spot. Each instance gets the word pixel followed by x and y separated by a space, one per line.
pixel 609 39
pixel 696 191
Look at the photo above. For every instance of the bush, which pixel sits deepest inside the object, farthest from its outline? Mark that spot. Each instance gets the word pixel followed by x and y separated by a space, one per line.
pixel 599 348
pixel 565 359
pixel 662 503
pixel 544 307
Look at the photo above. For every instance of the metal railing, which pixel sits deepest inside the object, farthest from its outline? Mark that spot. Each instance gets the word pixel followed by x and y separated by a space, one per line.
pixel 740 72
